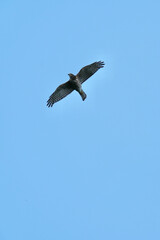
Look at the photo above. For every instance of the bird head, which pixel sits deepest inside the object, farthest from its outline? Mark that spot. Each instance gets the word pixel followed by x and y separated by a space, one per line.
pixel 72 76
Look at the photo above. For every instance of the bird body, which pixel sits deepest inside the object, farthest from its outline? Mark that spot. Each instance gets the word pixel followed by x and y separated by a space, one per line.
pixel 74 83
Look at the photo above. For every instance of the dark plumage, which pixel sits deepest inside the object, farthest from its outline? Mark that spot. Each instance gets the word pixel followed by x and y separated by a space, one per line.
pixel 74 83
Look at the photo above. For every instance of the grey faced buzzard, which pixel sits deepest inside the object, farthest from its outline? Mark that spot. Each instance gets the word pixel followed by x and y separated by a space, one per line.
pixel 74 83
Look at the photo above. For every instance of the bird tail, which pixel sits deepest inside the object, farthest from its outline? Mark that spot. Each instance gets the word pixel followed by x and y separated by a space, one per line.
pixel 83 95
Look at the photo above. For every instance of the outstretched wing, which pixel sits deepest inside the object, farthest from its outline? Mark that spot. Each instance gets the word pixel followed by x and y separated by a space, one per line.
pixel 62 91
pixel 89 70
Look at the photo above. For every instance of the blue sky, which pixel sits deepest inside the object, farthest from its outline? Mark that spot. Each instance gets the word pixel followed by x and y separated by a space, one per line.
pixel 80 170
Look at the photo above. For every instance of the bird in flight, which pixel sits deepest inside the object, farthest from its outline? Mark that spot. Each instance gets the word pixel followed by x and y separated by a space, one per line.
pixel 74 83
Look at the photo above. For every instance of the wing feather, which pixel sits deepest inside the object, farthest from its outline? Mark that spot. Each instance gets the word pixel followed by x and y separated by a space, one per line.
pixel 89 70
pixel 62 91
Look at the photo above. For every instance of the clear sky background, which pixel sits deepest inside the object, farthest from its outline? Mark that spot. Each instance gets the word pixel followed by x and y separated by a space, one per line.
pixel 80 170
